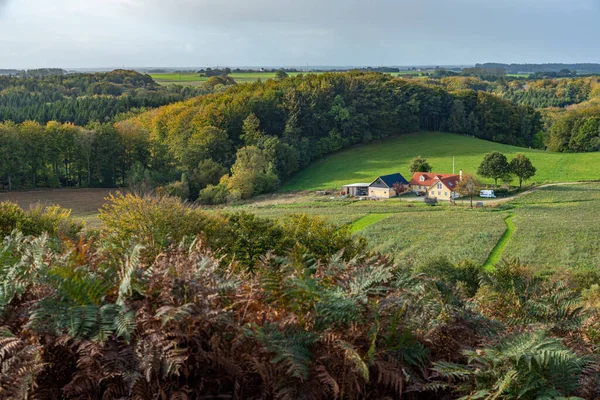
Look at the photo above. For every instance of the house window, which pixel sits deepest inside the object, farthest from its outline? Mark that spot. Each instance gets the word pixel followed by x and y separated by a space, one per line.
pixel 439 193
pixel 422 178
pixel 445 194
pixel 432 193
pixel 419 186
pixel 439 186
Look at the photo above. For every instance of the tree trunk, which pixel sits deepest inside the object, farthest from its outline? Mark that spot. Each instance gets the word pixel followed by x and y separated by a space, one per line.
pixel 471 201
pixel 9 183
pixel 520 182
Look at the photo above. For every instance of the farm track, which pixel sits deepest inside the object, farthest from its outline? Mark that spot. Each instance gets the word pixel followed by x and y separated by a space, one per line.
pixel 496 253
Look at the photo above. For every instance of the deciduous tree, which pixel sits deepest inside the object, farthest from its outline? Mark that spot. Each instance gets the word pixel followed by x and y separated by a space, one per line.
pixel 468 186
pixel 522 167
pixel 420 164
pixel 495 166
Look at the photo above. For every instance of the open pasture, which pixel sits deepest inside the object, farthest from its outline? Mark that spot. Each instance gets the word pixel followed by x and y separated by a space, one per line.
pixel 364 163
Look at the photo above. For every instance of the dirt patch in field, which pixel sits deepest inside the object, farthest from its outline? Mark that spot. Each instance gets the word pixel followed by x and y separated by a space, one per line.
pixel 82 202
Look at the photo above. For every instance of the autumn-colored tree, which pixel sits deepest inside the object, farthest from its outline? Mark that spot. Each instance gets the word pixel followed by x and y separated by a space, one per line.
pixel 468 186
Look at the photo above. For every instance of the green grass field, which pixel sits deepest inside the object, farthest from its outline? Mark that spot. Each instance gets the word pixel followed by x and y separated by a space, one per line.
pixel 557 227
pixel 550 228
pixel 364 163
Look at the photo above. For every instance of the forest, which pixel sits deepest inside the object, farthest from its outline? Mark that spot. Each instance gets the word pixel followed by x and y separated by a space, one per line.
pixel 569 106
pixel 261 133
pixel 192 304
pixel 84 98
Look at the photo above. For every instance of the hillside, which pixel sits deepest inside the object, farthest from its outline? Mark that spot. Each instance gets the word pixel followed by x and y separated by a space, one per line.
pixel 364 163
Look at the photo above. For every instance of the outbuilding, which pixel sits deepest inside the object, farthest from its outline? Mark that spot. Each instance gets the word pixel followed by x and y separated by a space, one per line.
pixel 356 189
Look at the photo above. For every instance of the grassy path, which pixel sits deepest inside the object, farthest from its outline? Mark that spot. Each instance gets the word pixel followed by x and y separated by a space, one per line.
pixel 496 254
pixel 367 220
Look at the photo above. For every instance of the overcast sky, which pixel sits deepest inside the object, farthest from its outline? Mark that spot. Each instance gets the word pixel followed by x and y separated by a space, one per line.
pixel 192 33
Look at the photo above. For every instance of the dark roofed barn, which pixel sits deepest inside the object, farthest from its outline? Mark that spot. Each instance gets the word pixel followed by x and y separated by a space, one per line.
pixel 383 186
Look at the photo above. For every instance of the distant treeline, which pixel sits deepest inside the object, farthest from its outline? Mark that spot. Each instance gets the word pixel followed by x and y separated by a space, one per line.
pixel 81 98
pixel 34 73
pixel 584 68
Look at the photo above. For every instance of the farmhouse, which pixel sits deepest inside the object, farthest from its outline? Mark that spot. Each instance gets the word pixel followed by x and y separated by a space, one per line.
pixel 383 187
pixel 434 185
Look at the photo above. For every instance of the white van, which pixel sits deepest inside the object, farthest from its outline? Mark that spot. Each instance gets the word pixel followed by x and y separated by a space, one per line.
pixel 488 194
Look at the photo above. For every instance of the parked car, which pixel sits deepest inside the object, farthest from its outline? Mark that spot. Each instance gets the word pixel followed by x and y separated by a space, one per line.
pixel 488 194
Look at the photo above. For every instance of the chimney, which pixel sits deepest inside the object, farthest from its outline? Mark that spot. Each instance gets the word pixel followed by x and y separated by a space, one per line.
pixel 460 174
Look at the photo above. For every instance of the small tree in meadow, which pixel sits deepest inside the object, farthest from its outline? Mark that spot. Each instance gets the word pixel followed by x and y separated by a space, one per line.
pixel 495 166
pixel 468 186
pixel 400 188
pixel 420 164
pixel 522 167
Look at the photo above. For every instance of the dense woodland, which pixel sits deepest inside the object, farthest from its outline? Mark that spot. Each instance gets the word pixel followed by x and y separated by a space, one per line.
pixel 570 106
pixel 189 304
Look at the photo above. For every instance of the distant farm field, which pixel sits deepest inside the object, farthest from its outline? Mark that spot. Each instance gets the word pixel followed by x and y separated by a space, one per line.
pixel 192 78
pixel 83 203
pixel 364 163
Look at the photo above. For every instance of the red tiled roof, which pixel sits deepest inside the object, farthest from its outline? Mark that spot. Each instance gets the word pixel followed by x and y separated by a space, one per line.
pixel 431 178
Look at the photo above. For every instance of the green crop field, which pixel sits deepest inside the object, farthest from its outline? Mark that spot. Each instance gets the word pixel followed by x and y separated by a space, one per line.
pixel 364 163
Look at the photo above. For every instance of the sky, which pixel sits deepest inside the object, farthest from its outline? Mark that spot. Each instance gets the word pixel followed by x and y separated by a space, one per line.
pixel 199 33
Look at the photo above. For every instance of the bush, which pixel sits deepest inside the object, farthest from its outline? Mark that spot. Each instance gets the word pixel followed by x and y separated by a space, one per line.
pixel 176 189
pixel 254 237
pixel 53 220
pixel 464 275
pixel 213 194
pixel 207 173
pixel 156 222
pixel 10 215
pixel 500 192
pixel 319 238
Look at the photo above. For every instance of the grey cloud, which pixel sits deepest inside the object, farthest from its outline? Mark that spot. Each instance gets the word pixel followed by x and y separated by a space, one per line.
pixel 298 32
